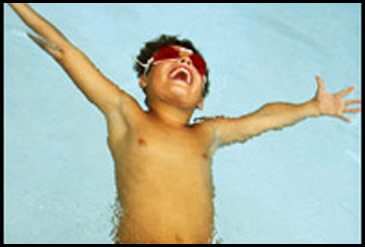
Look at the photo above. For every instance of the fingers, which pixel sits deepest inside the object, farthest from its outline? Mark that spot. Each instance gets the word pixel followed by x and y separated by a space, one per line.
pixel 34 38
pixel 54 51
pixel 341 93
pixel 349 110
pixel 39 41
pixel 345 92
pixel 344 118
pixel 352 110
pixel 349 102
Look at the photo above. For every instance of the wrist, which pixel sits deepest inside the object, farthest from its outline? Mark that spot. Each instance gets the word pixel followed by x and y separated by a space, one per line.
pixel 313 108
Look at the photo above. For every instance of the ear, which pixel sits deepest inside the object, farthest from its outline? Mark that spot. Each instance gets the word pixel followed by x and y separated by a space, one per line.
pixel 200 104
pixel 143 81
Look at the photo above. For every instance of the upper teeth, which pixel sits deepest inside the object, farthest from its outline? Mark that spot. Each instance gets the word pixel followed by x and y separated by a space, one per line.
pixel 182 69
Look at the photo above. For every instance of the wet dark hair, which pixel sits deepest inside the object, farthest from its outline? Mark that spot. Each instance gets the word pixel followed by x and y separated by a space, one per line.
pixel 151 47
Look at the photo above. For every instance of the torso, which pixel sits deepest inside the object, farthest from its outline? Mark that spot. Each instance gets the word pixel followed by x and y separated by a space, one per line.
pixel 164 182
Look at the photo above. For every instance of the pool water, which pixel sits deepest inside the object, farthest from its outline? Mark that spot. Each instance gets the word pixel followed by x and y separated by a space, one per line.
pixel 297 185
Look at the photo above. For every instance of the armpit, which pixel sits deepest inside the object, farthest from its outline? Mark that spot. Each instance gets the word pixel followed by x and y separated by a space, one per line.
pixel 209 125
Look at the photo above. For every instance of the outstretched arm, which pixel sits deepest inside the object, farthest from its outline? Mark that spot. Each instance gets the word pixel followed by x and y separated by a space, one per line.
pixel 96 87
pixel 278 115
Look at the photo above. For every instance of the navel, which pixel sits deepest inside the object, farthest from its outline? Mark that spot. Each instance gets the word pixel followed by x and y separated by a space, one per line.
pixel 178 239
pixel 142 142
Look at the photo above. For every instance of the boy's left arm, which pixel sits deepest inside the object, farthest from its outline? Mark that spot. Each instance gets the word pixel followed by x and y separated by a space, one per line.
pixel 278 115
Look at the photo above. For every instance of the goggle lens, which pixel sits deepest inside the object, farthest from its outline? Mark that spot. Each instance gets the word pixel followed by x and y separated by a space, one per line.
pixel 166 53
pixel 169 52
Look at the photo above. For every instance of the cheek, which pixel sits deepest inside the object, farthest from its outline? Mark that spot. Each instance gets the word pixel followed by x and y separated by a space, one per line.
pixel 154 75
pixel 199 84
pixel 157 80
pixel 159 72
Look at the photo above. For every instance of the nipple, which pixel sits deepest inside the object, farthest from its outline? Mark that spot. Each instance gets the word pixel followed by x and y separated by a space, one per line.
pixel 205 156
pixel 142 142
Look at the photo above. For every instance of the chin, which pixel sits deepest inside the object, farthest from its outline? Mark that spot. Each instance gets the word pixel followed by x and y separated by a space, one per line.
pixel 181 98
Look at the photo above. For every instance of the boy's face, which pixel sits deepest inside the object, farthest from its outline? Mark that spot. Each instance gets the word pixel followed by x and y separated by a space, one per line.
pixel 175 81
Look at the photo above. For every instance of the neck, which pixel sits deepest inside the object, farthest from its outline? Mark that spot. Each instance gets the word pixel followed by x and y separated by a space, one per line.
pixel 170 115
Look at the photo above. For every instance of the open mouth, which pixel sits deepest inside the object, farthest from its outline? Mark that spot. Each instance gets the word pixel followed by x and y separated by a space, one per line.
pixel 181 73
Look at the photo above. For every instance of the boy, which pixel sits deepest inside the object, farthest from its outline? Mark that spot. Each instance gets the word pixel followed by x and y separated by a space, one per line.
pixel 162 163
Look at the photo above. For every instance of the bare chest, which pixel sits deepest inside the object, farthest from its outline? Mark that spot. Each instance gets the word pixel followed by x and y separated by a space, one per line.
pixel 164 161
pixel 148 142
pixel 168 146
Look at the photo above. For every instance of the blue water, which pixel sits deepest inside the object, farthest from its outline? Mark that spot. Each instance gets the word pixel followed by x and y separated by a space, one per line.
pixel 298 185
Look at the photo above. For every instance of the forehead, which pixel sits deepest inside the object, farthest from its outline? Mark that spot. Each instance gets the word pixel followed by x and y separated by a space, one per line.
pixel 182 50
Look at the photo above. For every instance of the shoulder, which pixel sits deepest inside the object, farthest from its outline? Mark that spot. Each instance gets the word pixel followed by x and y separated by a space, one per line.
pixel 210 124
pixel 223 130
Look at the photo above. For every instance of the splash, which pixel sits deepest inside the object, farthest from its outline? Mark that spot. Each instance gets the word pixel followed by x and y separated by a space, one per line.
pixel 115 219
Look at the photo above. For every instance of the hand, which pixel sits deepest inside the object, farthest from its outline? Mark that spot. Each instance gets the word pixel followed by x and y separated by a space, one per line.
pixel 333 104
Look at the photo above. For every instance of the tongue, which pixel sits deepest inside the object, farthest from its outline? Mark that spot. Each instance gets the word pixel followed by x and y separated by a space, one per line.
pixel 181 76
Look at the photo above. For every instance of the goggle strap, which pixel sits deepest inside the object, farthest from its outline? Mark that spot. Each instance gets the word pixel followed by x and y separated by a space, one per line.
pixel 146 66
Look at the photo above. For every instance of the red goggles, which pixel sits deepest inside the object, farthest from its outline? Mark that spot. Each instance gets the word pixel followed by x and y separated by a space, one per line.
pixel 169 52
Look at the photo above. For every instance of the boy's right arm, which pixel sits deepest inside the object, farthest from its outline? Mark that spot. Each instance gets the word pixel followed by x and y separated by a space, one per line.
pixel 97 88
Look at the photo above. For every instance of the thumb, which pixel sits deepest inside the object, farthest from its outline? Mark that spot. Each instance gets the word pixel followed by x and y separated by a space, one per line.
pixel 320 82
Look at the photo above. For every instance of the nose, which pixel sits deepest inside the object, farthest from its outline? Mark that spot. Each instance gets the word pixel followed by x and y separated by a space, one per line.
pixel 185 60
